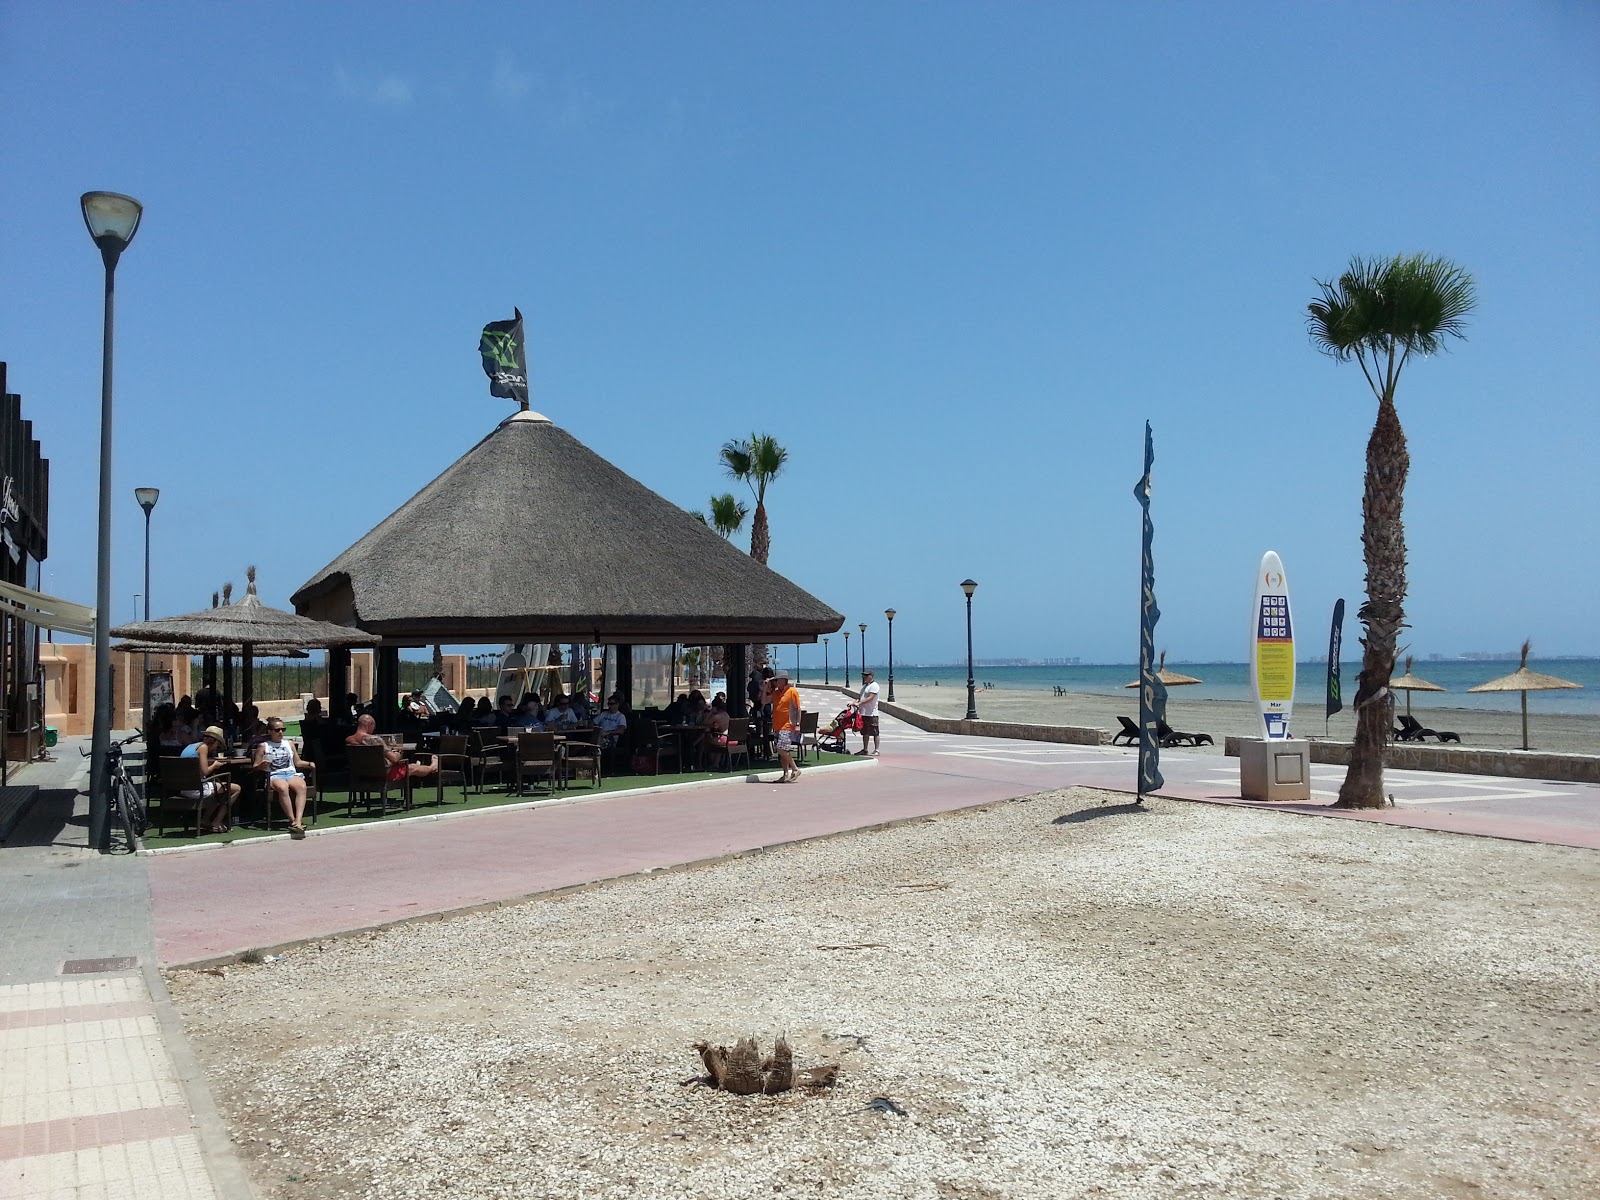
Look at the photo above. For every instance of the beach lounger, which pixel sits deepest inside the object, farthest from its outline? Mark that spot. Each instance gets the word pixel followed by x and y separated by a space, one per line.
pixel 1174 737
pixel 1412 730
pixel 1129 730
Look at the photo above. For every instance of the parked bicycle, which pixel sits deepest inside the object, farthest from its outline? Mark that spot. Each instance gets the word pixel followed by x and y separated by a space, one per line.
pixel 127 805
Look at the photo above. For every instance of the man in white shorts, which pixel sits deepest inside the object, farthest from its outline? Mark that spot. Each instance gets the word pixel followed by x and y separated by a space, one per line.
pixel 867 708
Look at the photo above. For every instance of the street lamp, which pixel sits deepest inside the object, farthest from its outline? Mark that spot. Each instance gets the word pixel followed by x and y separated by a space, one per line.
pixel 969 586
pixel 824 660
pixel 112 220
pixel 889 612
pixel 847 658
pixel 862 646
pixel 147 498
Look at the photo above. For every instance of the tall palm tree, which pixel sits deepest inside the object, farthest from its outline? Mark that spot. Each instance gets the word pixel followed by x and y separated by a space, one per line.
pixel 1379 312
pixel 756 461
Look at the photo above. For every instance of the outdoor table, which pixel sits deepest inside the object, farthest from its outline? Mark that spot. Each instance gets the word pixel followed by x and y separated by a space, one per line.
pixel 682 733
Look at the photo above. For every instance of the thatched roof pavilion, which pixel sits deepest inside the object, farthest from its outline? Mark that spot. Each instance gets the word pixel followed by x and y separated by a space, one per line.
pixel 531 536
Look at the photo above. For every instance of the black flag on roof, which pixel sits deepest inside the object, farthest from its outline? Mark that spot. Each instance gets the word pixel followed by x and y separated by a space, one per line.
pixel 505 361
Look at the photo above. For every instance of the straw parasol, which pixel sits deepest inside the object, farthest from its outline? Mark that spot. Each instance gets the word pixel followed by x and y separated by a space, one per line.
pixel 1524 681
pixel 248 625
pixel 260 651
pixel 1409 683
pixel 1170 678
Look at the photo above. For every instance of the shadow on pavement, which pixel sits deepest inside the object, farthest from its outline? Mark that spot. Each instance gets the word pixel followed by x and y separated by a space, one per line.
pixel 48 818
pixel 1102 810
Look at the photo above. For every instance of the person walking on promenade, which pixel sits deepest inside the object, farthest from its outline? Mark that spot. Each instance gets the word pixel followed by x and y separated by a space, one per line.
pixel 785 701
pixel 867 708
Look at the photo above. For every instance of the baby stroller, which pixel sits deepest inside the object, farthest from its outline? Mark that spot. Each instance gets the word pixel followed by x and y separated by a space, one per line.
pixel 831 739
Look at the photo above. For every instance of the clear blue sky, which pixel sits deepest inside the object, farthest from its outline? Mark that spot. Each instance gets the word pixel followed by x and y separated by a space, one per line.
pixel 950 255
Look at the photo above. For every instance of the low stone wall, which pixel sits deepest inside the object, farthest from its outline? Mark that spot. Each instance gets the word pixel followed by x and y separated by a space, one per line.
pixel 1463 760
pixel 1072 735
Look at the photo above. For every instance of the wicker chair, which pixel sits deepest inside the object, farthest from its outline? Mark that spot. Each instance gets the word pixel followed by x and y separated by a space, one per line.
pixel 538 755
pixel 581 756
pixel 739 735
pixel 369 777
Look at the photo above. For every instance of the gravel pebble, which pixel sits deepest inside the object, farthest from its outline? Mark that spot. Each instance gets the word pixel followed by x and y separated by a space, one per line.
pixel 1068 997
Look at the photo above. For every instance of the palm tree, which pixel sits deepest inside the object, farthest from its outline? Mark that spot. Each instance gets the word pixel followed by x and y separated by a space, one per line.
pixel 756 461
pixel 1379 312
pixel 727 514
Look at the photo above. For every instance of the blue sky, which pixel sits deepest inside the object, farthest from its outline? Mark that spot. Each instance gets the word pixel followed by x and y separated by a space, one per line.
pixel 951 255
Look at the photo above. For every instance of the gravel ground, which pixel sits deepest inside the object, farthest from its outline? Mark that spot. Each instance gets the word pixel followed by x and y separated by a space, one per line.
pixel 1067 995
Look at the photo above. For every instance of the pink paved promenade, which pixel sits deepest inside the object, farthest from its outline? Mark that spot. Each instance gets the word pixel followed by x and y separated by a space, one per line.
pixel 217 902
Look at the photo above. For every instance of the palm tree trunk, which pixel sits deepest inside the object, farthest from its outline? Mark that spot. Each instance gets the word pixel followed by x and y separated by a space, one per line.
pixel 1383 539
pixel 760 538
pixel 760 544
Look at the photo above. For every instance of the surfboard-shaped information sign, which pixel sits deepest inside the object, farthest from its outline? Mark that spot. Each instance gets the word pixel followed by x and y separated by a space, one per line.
pixel 1272 649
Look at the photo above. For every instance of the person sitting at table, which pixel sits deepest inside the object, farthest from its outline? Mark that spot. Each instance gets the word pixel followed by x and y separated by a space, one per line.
pixel 695 708
pixel 366 735
pixel 465 717
pixel 185 732
pixel 676 712
pixel 561 715
pixel 252 729
pixel 164 729
pixel 624 706
pixel 530 713
pixel 285 775
pixel 314 719
pixel 713 744
pixel 485 714
pixel 505 713
pixel 612 723
pixel 216 797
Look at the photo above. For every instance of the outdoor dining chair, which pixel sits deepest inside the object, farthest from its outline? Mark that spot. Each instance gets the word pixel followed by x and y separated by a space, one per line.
pixel 738 741
pixel 455 762
pixel 369 777
pixel 487 753
pixel 179 775
pixel 581 757
pixel 808 735
pixel 538 755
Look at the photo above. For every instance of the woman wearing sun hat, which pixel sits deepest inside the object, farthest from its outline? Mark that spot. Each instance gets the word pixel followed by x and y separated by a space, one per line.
pixel 216 797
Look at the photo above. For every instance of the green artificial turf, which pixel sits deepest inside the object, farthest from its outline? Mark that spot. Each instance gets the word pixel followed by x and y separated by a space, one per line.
pixel 335 812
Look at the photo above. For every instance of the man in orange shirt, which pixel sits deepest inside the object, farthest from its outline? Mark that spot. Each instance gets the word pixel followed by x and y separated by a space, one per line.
pixel 785 701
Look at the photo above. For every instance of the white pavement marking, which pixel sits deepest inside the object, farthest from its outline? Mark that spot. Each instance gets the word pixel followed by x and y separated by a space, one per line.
pixel 1460 789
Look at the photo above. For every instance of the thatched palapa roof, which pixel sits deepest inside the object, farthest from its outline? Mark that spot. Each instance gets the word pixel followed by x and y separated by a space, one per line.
pixel 531 536
pixel 247 623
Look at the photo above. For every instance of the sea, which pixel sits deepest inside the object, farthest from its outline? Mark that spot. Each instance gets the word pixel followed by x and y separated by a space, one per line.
pixel 1231 681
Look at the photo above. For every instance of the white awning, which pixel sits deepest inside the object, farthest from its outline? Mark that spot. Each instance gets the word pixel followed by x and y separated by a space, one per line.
pixel 47 612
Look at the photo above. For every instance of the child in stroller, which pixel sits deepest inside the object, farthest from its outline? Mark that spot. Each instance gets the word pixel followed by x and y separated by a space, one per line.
pixel 831 739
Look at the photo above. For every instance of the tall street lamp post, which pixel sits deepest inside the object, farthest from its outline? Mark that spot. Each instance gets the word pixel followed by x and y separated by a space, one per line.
pixel 824 660
pixel 847 658
pixel 112 220
pixel 862 646
pixel 889 612
pixel 147 498
pixel 969 586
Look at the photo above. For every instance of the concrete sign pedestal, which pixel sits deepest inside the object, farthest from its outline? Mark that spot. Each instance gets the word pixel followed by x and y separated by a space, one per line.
pixel 1275 770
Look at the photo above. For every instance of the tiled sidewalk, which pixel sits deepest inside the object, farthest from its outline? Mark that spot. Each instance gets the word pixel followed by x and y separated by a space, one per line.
pixel 98 1094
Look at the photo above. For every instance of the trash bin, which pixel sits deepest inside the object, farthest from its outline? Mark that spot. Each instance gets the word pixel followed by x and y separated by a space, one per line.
pixel 50 736
pixel 1275 770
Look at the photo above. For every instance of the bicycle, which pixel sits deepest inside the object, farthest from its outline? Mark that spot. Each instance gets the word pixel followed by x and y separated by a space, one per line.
pixel 127 805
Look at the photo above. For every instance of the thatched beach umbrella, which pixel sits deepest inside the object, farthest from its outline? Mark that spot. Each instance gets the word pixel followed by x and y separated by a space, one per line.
pixel 191 650
pixel 1409 683
pixel 249 625
pixel 1524 681
pixel 1170 678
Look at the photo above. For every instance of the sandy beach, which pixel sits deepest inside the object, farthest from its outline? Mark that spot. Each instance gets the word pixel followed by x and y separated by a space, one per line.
pixel 1558 732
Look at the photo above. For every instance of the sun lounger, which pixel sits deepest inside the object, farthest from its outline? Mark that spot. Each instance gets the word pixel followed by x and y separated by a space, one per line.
pixel 1412 730
pixel 1129 730
pixel 1173 737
